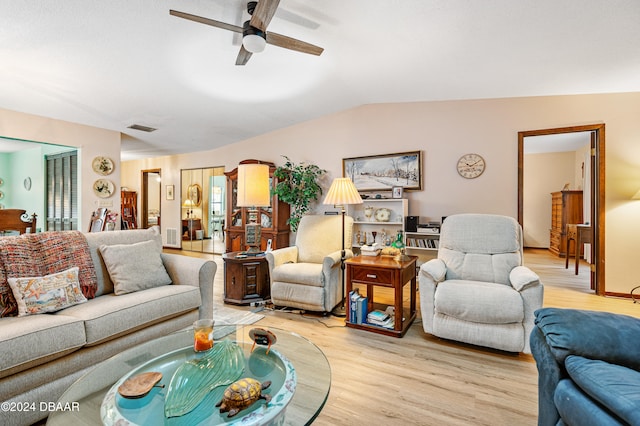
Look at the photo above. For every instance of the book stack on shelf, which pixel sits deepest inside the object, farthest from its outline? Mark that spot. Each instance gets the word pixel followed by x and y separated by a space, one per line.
pixel 380 318
pixel 357 308
pixel 423 242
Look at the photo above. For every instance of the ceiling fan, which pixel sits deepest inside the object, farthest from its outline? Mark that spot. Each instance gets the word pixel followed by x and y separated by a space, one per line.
pixel 254 32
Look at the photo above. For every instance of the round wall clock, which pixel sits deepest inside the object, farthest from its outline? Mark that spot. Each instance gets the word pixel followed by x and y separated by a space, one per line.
pixel 470 166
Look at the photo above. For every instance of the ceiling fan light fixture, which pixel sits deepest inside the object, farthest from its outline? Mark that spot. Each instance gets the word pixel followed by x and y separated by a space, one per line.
pixel 253 39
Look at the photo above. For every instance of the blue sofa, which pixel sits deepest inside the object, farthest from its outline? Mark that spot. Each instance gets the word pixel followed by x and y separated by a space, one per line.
pixel 588 367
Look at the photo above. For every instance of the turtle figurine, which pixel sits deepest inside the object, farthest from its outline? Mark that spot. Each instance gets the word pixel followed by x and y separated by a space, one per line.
pixel 241 394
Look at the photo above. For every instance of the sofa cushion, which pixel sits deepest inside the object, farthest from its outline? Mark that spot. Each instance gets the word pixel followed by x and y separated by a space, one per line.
pixel 576 408
pixel 475 301
pixel 51 293
pixel 109 316
pixel 62 250
pixel 134 267
pixel 97 239
pixel 30 255
pixel 32 340
pixel 299 273
pixel 614 386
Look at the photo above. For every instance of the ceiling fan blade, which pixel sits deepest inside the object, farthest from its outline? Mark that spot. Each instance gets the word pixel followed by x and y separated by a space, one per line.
pixel 293 44
pixel 243 56
pixel 263 14
pixel 206 21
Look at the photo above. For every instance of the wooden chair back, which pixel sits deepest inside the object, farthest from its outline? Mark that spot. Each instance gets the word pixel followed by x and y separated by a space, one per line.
pixel 98 220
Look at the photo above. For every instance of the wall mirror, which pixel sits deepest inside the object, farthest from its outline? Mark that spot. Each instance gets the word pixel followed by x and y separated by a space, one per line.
pixel 202 217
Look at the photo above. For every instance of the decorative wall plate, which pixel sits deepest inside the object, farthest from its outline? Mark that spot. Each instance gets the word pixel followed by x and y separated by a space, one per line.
pixel 27 184
pixel 103 188
pixel 1 195
pixel 1 181
pixel 102 166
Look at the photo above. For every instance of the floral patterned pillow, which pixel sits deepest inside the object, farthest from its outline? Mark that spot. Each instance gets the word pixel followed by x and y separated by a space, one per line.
pixel 51 293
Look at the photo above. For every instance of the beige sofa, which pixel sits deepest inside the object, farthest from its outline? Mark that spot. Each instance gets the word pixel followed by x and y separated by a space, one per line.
pixel 43 354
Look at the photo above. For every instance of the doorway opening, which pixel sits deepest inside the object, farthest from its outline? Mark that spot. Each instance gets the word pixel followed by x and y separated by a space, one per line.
pixel 151 193
pixel 593 169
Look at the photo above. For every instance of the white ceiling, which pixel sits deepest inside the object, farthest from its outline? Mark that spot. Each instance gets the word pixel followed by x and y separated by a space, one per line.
pixel 114 63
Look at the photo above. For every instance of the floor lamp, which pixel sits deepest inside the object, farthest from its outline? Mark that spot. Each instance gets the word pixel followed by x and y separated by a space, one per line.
pixel 341 193
pixel 253 192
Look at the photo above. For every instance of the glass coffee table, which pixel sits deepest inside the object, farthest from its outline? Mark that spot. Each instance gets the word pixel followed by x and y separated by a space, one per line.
pixel 312 370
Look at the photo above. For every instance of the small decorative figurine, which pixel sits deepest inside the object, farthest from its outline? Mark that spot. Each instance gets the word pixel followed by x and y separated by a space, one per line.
pixel 262 337
pixel 241 394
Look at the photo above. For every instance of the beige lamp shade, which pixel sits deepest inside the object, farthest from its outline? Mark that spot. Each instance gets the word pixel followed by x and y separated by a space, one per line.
pixel 253 185
pixel 342 192
pixel 188 204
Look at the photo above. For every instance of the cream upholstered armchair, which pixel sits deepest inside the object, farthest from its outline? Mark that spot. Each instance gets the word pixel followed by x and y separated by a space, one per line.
pixel 307 275
pixel 478 291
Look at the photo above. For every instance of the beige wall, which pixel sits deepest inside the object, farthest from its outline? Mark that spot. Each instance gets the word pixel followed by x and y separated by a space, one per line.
pixel 91 141
pixel 544 174
pixel 445 131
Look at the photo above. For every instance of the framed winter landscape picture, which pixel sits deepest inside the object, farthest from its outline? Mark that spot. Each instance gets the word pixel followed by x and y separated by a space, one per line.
pixel 383 172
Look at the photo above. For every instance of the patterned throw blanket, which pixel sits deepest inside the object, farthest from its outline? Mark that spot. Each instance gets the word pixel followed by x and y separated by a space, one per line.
pixel 36 255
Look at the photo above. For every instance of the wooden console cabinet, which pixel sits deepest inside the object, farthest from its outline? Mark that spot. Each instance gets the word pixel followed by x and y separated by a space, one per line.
pixel 246 279
pixel 273 219
pixel 566 208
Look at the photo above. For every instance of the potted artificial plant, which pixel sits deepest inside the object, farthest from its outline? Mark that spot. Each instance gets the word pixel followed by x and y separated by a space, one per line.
pixel 298 186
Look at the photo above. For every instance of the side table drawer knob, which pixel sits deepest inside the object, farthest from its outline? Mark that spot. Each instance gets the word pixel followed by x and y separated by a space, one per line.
pixel 373 276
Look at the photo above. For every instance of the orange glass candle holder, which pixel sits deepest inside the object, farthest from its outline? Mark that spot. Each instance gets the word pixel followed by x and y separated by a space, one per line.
pixel 203 335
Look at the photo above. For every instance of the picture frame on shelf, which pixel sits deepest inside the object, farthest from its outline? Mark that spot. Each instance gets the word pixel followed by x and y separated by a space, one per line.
pixel 396 192
pixel 171 192
pixel 384 172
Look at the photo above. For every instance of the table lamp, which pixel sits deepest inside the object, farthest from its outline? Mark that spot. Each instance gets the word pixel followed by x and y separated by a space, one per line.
pixel 253 192
pixel 341 193
pixel 188 204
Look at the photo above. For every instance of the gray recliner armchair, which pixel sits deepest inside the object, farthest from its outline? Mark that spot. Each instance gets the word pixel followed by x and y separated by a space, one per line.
pixel 307 275
pixel 477 291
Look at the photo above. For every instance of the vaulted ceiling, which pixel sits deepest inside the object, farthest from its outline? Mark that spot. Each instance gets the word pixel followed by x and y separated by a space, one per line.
pixel 111 64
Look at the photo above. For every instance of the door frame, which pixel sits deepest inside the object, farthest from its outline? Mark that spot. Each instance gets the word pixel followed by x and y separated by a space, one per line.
pixel 144 197
pixel 597 192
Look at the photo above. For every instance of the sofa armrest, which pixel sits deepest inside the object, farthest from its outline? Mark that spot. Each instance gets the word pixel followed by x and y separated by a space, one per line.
pixel 195 272
pixel 521 277
pixel 431 273
pixel 606 336
pixel 436 269
pixel 549 375
pixel 277 257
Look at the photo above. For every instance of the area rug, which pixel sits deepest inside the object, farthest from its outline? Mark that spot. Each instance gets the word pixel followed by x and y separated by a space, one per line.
pixel 226 319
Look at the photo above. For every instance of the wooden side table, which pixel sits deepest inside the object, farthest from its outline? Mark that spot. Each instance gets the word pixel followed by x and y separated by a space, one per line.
pixel 580 234
pixel 246 279
pixel 385 272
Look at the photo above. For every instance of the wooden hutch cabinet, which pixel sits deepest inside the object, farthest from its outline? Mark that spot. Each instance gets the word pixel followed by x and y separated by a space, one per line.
pixel 273 219
pixel 129 209
pixel 566 208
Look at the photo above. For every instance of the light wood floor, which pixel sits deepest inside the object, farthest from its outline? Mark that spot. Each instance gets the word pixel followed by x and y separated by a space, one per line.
pixel 423 380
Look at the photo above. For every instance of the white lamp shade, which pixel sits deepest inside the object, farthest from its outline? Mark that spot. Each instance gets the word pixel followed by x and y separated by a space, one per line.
pixel 341 192
pixel 254 43
pixel 253 185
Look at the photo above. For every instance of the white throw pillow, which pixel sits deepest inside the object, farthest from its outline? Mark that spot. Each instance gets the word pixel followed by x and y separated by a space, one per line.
pixel 51 293
pixel 134 267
